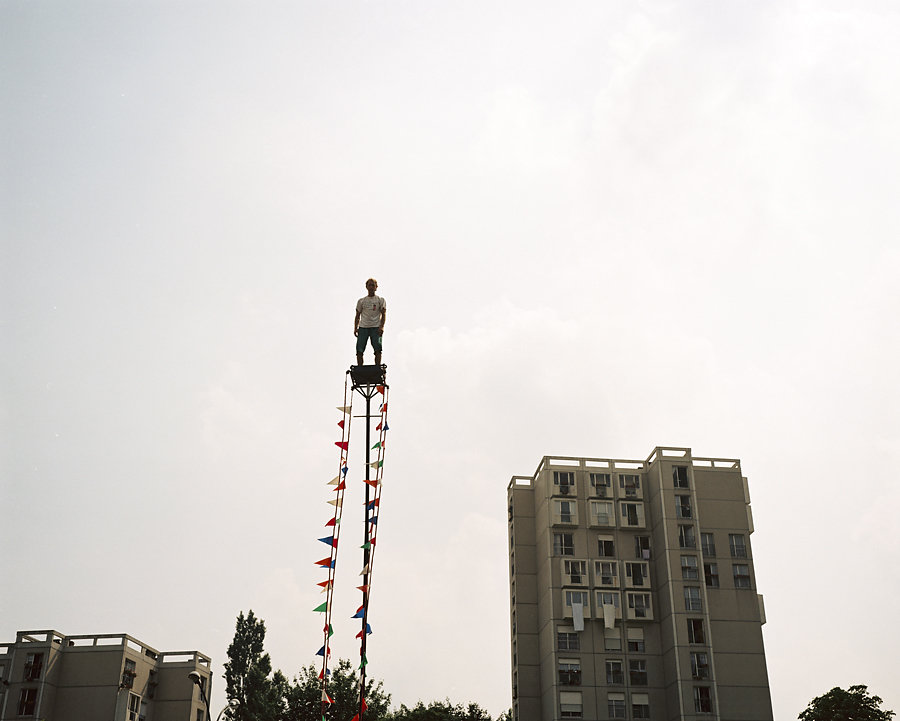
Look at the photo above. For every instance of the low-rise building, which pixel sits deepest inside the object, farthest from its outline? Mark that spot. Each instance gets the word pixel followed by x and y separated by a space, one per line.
pixel 99 677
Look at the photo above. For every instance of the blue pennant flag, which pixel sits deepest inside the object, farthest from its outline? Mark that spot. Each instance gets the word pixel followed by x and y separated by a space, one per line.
pixel 368 629
pixel 344 470
pixel 321 651
pixel 329 540
pixel 359 613
pixel 373 519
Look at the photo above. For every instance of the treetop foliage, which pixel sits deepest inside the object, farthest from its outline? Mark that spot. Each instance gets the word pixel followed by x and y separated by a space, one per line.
pixel 854 704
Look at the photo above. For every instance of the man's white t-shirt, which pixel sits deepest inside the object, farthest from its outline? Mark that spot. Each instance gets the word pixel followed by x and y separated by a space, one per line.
pixel 370 310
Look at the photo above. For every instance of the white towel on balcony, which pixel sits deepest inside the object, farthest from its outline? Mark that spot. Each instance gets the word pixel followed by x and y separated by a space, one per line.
pixel 609 615
pixel 578 616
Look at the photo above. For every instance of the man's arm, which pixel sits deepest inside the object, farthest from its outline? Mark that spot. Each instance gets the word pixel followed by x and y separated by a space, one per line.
pixel 356 324
pixel 383 319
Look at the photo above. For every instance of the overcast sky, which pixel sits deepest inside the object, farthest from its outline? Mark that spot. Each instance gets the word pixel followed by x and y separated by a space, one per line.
pixel 599 227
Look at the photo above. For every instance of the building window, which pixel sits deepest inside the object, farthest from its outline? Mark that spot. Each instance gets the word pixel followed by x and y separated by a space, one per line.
pixel 575 571
pixel 570 704
pixel 615 705
pixel 692 598
pixel 563 544
pixel 567 641
pixel 200 714
pixel 601 484
pixel 34 663
pixel 134 707
pixel 699 666
pixel 614 674
pixel 737 545
pixel 689 568
pixel 565 512
pixel 695 630
pixel 605 547
pixel 631 483
pixel 602 513
pixel 680 476
pixel 702 699
pixel 640 706
pixel 27 701
pixel 636 573
pixel 686 538
pixel 741 575
pixel 577 597
pixel 128 673
pixel 565 481
pixel 708 544
pixel 633 514
pixel 637 673
pixel 636 640
pixel 605 573
pixel 642 547
pixel 569 672
pixel 612 639
pixel 605 598
pixel 683 507
pixel 639 604
pixel 711 573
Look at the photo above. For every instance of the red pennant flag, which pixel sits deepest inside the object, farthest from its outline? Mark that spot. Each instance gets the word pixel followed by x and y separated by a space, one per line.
pixel 324 562
pixel 378 427
pixel 363 588
pixel 332 522
pixel 383 408
pixel 373 483
pixel 341 486
pixel 359 635
pixel 341 423
pixel 380 389
pixel 373 503
pixel 341 444
pixel 324 584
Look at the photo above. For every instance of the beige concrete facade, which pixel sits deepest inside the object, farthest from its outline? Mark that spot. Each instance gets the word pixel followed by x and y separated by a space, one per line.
pixel 101 677
pixel 633 593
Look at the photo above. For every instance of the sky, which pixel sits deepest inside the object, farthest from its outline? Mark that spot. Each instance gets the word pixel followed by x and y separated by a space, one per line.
pixel 599 228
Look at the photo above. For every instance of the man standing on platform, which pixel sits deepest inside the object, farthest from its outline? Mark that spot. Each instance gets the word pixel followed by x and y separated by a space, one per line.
pixel 371 312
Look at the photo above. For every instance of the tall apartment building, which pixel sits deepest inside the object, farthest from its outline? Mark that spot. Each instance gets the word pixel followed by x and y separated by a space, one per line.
pixel 101 677
pixel 633 593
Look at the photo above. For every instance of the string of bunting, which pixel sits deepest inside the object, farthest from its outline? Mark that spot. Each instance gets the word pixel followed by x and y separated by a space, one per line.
pixel 334 525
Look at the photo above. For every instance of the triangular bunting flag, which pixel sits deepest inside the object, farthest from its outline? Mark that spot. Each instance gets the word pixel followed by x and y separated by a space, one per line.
pixel 341 444
pixel 383 408
pixel 326 562
pixel 380 389
pixel 378 427
pixel 325 584
pixel 344 470
pixel 363 588
pixel 326 698
pixel 365 570
pixel 321 651
pixel 333 522
pixel 331 631
pixel 364 661
pixel 330 540
pixel 341 423
pixel 336 502
pixel 386 426
pixel 334 481
pixel 359 613
pixel 342 486
pixel 362 705
pixel 322 608
pixel 343 409
pixel 373 482
pixel 371 504
pixel 368 631
pixel 373 519
pixel 367 544
pixel 377 445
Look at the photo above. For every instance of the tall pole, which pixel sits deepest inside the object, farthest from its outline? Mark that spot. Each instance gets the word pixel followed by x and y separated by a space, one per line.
pixel 362 653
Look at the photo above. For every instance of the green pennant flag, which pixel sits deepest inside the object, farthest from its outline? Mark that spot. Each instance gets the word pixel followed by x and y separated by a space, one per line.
pixel 330 631
pixel 366 545
pixel 321 609
pixel 364 662
pixel 377 445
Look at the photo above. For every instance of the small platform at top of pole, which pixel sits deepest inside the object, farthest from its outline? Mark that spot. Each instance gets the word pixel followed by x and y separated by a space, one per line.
pixel 368 375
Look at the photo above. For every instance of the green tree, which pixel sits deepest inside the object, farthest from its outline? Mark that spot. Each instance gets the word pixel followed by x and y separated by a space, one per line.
pixel 304 698
pixel 247 674
pixel 855 704
pixel 441 711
